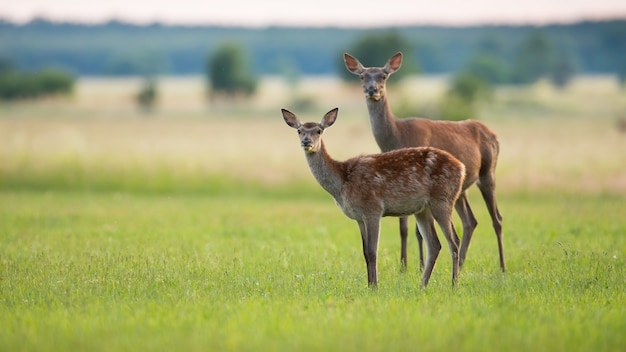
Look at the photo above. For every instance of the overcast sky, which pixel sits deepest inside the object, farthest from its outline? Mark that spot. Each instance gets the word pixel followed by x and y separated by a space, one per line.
pixel 363 13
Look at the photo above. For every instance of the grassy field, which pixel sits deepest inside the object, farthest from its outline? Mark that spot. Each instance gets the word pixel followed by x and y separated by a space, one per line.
pixel 200 228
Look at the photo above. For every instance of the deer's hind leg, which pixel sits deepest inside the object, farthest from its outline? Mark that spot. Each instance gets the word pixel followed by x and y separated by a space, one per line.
pixel 487 186
pixel 404 234
pixel 469 222
pixel 404 231
pixel 426 226
pixel 442 213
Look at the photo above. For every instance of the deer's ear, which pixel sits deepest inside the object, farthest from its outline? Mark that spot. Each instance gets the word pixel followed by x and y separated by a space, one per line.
pixel 394 63
pixel 290 118
pixel 352 64
pixel 329 118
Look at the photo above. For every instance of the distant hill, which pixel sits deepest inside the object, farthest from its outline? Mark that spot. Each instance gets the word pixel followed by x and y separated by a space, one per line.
pixel 123 48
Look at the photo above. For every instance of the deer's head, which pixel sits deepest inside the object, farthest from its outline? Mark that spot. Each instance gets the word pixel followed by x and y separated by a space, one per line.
pixel 373 79
pixel 310 133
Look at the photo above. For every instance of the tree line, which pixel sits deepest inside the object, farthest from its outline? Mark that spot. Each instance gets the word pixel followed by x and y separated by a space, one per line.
pixel 116 48
pixel 478 57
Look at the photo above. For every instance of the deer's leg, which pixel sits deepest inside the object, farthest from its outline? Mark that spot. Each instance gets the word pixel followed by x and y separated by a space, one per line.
pixel 487 186
pixel 372 228
pixel 469 224
pixel 426 226
pixel 404 232
pixel 420 241
pixel 404 229
pixel 363 240
pixel 443 215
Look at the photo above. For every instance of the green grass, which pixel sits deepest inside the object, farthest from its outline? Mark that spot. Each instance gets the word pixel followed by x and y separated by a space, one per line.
pixel 200 229
pixel 118 271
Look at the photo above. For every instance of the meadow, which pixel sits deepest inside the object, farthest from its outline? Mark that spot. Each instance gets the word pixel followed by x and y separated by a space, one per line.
pixel 199 227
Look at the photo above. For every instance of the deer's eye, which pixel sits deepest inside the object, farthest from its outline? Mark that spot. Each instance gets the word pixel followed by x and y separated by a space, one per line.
pixel 299 132
pixel 362 78
pixel 319 131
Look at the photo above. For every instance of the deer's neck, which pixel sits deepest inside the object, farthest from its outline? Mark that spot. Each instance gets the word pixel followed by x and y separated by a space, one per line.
pixel 326 171
pixel 383 124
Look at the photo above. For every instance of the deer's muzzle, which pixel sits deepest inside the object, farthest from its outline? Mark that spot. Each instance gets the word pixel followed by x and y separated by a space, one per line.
pixel 306 145
pixel 372 93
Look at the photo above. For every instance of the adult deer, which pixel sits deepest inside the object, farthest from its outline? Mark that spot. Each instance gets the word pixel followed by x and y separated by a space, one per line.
pixel 472 142
pixel 424 182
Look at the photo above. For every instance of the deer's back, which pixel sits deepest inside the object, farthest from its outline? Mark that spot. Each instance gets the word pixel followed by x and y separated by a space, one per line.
pixel 470 141
pixel 400 182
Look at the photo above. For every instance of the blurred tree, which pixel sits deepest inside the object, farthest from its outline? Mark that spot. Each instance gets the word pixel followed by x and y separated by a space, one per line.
pixel 491 44
pixel 54 81
pixel 375 49
pixel 15 84
pixel 454 108
pixel 12 85
pixel 621 74
pixel 460 102
pixel 227 72
pixel 562 71
pixel 470 87
pixel 490 60
pixel 6 64
pixel 122 66
pixel 287 68
pixel 148 93
pixel 535 58
pixel 430 56
pixel 136 63
pixel 614 41
pixel 489 68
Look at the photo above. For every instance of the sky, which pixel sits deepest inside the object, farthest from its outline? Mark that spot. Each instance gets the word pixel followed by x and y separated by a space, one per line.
pixel 341 13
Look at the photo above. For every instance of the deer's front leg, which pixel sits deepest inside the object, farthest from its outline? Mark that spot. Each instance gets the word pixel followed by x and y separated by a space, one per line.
pixel 372 229
pixel 370 260
pixel 363 231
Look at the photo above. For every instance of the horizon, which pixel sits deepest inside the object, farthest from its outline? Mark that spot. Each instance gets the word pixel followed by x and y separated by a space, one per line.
pixel 322 13
pixel 130 22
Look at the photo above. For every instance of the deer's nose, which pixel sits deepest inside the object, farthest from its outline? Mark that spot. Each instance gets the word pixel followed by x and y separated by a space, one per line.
pixel 306 142
pixel 371 91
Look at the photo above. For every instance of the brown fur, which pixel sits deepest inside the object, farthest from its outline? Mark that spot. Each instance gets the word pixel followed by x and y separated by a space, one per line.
pixel 424 182
pixel 472 142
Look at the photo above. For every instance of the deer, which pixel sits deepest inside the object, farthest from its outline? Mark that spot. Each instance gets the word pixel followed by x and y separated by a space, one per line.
pixel 424 182
pixel 470 141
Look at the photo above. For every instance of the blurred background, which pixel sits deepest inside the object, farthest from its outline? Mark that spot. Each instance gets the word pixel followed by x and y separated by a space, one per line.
pixel 154 97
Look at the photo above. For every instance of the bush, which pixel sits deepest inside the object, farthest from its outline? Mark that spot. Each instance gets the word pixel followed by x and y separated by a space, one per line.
pixel 455 108
pixel 227 72
pixel 460 102
pixel 147 95
pixel 52 81
pixel 15 84
pixel 621 76
pixel 11 85
pixel 470 87
pixel 489 68
pixel 562 72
